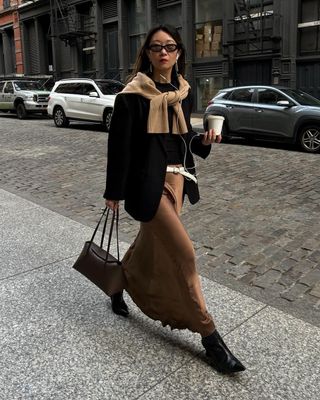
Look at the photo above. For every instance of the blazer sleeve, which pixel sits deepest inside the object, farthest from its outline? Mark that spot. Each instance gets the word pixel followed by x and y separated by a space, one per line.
pixel 197 147
pixel 119 145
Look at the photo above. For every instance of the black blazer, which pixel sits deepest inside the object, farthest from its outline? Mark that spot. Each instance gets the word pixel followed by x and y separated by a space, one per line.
pixel 137 161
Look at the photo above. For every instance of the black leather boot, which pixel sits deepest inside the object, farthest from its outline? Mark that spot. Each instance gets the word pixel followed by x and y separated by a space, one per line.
pixel 118 305
pixel 220 357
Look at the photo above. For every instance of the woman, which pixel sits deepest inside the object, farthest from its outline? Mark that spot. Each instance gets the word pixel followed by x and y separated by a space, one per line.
pixel 151 167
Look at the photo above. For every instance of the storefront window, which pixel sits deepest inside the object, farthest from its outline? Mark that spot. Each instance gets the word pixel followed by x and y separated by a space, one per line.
pixel 206 88
pixel 208 28
pixel 136 25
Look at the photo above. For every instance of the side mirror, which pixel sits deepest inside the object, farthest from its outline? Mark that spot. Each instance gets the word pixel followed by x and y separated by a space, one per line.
pixel 284 103
pixel 93 94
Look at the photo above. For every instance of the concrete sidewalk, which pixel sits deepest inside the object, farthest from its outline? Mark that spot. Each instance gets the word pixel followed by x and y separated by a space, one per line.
pixel 60 340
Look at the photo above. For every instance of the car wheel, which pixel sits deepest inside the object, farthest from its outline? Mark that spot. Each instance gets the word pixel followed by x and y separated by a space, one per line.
pixel 107 119
pixel 60 118
pixel 21 111
pixel 309 139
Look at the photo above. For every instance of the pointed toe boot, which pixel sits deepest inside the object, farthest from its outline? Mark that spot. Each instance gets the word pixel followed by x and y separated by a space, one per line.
pixel 220 357
pixel 118 305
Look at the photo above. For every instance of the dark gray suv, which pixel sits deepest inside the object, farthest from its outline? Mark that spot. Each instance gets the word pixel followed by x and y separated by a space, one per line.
pixel 266 112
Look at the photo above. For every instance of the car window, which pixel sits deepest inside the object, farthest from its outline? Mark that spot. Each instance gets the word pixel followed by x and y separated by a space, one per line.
pixel 269 96
pixel 87 88
pixel 27 85
pixel 1 86
pixel 76 88
pixel 8 88
pixel 63 88
pixel 112 87
pixel 302 98
pixel 69 88
pixel 243 95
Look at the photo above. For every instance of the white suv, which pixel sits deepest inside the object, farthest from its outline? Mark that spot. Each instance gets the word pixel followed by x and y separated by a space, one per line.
pixel 83 99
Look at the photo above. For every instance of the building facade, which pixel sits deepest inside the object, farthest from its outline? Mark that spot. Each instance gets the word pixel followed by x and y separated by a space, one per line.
pixel 228 42
pixel 11 61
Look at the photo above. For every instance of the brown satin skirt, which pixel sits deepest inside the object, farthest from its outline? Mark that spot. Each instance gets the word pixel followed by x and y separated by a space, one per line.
pixel 160 267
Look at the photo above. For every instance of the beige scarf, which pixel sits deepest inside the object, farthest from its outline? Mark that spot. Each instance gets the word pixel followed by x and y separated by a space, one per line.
pixel 158 114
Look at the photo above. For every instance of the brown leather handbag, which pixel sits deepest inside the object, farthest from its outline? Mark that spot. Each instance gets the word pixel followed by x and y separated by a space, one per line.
pixel 97 264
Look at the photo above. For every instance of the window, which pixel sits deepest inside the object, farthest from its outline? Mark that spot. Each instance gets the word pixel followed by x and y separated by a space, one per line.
pixel 171 14
pixel 1 86
pixel 309 10
pixel 208 28
pixel 87 88
pixel 8 88
pixel 69 88
pixel 302 97
pixel 206 88
pixel 27 85
pixel 137 26
pixel 258 4
pixel 88 58
pixel 267 96
pixel 6 3
pixel 309 27
pixel 111 87
pixel 242 95
pixel 254 24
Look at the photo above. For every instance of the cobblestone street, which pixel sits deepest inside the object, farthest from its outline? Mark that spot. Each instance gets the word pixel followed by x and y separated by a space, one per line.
pixel 255 230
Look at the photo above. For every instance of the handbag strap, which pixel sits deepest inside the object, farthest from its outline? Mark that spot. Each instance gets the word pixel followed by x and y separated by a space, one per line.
pixel 96 228
pixel 115 218
pixel 110 232
pixel 117 233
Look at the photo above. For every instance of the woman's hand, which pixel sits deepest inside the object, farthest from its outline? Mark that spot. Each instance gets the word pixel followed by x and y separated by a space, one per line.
pixel 210 137
pixel 112 204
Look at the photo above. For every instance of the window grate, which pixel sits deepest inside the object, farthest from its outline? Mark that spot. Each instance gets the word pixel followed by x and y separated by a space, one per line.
pixel 166 3
pixel 208 70
pixel 110 9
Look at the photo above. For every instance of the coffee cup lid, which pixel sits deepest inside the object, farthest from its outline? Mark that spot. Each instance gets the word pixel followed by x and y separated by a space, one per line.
pixel 216 116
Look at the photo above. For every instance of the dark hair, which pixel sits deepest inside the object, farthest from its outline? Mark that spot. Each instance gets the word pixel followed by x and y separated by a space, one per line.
pixel 142 63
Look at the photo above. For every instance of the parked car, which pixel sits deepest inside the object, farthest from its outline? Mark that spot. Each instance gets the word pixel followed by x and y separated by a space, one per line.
pixel 267 112
pixel 83 99
pixel 23 96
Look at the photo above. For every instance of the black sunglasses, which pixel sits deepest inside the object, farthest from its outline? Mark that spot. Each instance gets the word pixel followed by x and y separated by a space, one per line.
pixel 156 48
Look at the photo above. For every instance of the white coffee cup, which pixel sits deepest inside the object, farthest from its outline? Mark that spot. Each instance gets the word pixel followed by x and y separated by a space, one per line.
pixel 215 122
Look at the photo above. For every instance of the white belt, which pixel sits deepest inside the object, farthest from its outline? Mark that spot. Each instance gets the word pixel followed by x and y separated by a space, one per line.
pixel 182 171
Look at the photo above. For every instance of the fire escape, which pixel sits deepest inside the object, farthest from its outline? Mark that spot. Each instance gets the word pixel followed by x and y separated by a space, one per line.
pixel 69 25
pixel 253 30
